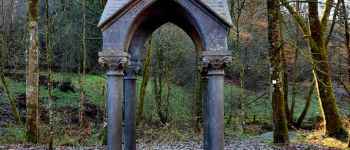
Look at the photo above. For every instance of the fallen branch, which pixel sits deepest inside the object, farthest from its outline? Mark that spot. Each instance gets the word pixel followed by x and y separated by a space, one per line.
pixel 258 98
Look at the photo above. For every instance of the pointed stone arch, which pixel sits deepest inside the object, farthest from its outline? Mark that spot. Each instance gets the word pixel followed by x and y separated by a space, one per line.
pixel 144 26
pixel 126 25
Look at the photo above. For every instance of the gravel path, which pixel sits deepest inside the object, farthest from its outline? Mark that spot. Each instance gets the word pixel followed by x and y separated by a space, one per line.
pixel 235 145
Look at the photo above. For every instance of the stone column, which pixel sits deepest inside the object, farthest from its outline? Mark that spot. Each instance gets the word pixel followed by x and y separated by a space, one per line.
pixel 115 62
pixel 130 105
pixel 215 62
pixel 204 78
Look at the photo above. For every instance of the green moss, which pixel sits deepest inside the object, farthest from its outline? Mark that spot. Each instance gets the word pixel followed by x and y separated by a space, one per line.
pixel 33 10
pixel 104 135
pixel 12 134
pixel 30 137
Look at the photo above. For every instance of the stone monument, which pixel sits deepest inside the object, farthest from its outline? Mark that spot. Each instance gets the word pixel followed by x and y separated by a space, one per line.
pixel 126 26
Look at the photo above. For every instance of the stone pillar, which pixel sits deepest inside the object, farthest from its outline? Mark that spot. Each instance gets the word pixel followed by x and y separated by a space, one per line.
pixel 115 62
pixel 130 105
pixel 204 78
pixel 215 62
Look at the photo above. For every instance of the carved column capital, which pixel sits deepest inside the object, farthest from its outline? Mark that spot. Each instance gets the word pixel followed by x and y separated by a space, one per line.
pixel 203 71
pixel 131 71
pixel 115 62
pixel 215 60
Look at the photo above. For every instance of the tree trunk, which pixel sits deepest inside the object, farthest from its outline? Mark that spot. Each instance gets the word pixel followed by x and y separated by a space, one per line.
pixel 294 88
pixel 334 20
pixel 285 80
pixel 11 100
pixel 32 93
pixel 83 80
pixel 307 105
pixel 334 124
pixel 289 113
pixel 242 96
pixel 279 116
pixel 236 13
pixel 347 35
pixel 146 77
pixel 158 85
pixel 158 92
pixel 295 66
pixel 319 52
pixel 49 71
pixel 198 96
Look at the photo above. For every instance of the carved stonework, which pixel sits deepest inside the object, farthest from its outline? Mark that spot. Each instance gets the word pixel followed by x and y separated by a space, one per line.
pixel 216 60
pixel 132 71
pixel 114 61
pixel 203 70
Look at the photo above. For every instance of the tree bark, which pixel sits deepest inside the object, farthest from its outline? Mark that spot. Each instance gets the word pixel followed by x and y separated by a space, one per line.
pixel 236 13
pixel 159 73
pixel 146 77
pixel 347 35
pixel 83 80
pixel 49 71
pixel 289 113
pixel 334 124
pixel 11 99
pixel 314 34
pixel 32 92
pixel 331 28
pixel 285 80
pixel 280 134
pixel 198 96
pixel 307 105
pixel 295 66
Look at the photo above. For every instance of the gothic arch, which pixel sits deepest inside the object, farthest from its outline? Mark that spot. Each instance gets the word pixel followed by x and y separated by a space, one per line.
pixel 126 25
pixel 143 26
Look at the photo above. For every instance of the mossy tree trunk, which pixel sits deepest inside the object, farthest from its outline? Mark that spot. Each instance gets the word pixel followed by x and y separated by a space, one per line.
pixel 198 96
pixel 294 85
pixel 285 80
pixel 334 125
pixel 10 99
pixel 315 32
pixel 49 71
pixel 32 92
pixel 146 77
pixel 83 76
pixel 159 73
pixel 280 134
pixel 288 112
pixel 295 66
pixel 307 105
pixel 347 35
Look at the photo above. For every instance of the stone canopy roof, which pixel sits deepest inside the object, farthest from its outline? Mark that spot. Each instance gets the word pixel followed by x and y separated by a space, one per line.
pixel 219 7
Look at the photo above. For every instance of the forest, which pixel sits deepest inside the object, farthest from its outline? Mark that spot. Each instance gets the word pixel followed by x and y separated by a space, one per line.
pixel 288 86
